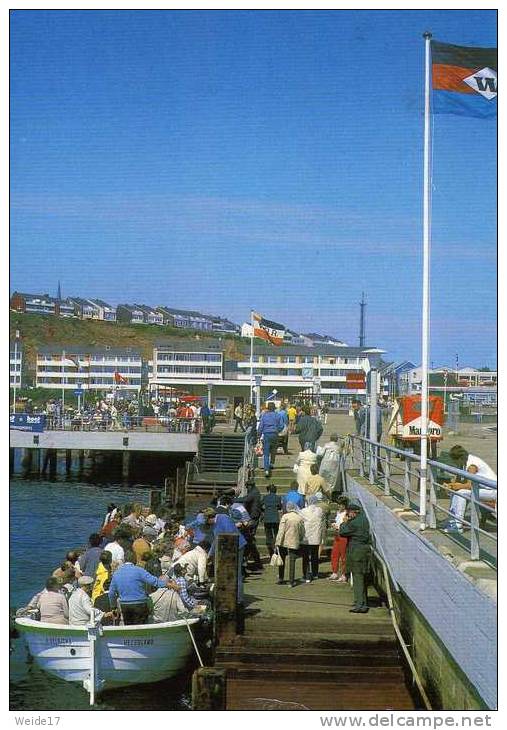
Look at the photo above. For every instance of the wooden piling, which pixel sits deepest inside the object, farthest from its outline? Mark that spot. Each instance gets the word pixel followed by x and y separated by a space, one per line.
pixel 26 461
pixel 209 689
pixel 68 460
pixel 81 459
pixel 12 453
pixel 226 588
pixel 125 467
pixel 155 499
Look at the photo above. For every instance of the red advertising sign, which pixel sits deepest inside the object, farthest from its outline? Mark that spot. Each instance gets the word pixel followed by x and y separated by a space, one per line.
pixel 356 380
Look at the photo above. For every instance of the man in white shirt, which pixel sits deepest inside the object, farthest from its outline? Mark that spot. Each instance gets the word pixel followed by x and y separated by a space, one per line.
pixel 478 467
pixel 194 562
pixel 117 552
pixel 81 611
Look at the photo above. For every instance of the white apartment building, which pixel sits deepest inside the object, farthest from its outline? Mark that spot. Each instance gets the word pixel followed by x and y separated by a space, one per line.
pixel 187 362
pixel 92 368
pixel 15 364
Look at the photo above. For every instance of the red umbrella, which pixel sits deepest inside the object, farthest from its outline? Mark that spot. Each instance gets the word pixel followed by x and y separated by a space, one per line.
pixel 191 398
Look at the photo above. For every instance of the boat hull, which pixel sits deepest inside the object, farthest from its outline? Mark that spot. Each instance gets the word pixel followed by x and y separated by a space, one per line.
pixel 124 655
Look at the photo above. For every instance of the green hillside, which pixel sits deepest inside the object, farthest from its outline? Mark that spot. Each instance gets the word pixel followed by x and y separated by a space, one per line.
pixel 38 330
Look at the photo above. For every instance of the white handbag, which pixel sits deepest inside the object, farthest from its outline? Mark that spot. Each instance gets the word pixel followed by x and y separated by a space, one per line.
pixel 276 560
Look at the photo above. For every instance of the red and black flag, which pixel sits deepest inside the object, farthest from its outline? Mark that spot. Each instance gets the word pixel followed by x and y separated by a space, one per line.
pixel 270 331
pixel 464 80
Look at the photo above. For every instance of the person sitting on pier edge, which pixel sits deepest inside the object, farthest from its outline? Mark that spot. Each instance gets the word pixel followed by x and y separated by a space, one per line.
pixel 356 528
pixel 195 562
pixel 270 425
pixel 52 604
pixel 309 430
pixel 314 532
pixel 129 585
pixel 288 541
pixel 81 610
pixel 339 549
pixel 89 560
pixel 223 524
pixel 294 496
pixel 459 503
pixel 272 505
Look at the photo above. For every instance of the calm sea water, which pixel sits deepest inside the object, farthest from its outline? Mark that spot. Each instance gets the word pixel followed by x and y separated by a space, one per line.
pixel 47 518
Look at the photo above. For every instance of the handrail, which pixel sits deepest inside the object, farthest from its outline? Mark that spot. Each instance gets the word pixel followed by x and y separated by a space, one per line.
pixel 374 461
pixel 247 464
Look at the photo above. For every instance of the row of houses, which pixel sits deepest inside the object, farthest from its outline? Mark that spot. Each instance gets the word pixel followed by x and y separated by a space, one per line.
pixel 97 309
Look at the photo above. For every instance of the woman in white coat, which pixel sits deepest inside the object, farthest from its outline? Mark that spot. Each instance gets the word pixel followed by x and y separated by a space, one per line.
pixel 315 528
pixel 302 468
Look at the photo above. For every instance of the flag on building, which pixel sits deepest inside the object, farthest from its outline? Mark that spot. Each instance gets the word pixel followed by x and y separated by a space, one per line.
pixel 71 361
pixel 270 331
pixel 120 380
pixel 464 80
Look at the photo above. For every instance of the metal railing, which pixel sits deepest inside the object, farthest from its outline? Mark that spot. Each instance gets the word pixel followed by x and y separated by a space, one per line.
pixel 377 463
pixel 152 424
pixel 247 467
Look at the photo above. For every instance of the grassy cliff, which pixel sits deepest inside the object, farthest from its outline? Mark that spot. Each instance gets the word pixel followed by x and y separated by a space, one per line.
pixel 37 330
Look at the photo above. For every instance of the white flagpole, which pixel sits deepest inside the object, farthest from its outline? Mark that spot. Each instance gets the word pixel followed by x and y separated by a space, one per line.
pixel 63 382
pixel 426 288
pixel 251 354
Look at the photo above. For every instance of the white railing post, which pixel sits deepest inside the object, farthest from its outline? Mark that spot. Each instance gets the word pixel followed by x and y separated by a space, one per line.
pixel 432 519
pixel 406 483
pixel 387 473
pixel 474 521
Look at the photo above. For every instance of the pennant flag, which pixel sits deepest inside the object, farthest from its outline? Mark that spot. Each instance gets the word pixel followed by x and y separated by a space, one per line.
pixel 464 80
pixel 120 380
pixel 269 331
pixel 71 361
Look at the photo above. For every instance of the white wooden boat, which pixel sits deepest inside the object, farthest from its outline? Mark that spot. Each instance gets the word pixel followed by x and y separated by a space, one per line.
pixel 106 657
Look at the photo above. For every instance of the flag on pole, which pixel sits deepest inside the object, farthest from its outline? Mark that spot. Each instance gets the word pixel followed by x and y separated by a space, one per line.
pixel 120 380
pixel 270 331
pixel 464 80
pixel 71 361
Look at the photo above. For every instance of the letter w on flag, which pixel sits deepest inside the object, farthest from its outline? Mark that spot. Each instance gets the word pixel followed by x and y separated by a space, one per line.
pixel 465 80
pixel 269 331
pixel 120 380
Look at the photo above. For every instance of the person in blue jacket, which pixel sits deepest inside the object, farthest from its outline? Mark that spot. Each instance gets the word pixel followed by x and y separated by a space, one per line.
pixel 270 425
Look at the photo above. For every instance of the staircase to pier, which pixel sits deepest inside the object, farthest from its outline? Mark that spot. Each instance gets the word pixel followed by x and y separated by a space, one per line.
pixel 215 468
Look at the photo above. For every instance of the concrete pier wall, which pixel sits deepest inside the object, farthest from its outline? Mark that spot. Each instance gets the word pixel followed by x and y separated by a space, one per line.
pixel 448 618
pixel 106 441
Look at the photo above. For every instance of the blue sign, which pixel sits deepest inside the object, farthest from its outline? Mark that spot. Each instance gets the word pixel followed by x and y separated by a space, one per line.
pixel 78 392
pixel 27 422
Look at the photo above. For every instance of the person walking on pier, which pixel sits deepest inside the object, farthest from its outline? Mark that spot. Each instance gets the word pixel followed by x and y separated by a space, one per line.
pixel 314 532
pixel 356 528
pixel 269 427
pixel 339 549
pixel 309 430
pixel 288 541
pixel 272 506
pixel 238 418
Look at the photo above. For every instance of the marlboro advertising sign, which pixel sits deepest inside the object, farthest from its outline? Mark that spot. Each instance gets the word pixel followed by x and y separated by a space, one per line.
pixel 406 421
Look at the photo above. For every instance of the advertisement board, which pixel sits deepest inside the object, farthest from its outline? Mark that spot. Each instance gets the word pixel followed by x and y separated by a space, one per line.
pixel 27 422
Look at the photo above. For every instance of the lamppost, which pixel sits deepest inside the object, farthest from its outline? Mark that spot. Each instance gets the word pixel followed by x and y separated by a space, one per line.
pixel 445 389
pixel 16 341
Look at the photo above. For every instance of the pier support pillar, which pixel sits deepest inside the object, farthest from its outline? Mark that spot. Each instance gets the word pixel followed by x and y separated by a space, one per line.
pixel 68 460
pixel 81 458
pixel 50 457
pixel 155 499
pixel 26 461
pixel 125 465
pixel 226 588
pixel 208 689
pixel 12 453
pixel 38 459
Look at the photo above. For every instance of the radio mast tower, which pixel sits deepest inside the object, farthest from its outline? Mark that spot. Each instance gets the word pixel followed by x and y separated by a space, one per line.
pixel 362 329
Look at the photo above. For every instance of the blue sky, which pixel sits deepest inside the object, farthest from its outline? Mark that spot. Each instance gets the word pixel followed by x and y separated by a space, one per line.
pixel 269 159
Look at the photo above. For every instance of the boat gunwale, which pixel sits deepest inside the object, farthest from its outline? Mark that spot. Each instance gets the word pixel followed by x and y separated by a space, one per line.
pixel 43 627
